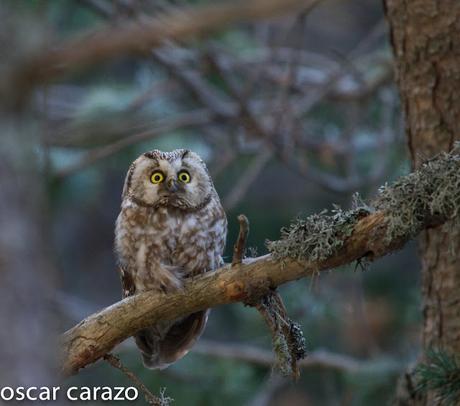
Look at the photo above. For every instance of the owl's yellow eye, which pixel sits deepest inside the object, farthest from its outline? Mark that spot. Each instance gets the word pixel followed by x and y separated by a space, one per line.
pixel 157 177
pixel 184 177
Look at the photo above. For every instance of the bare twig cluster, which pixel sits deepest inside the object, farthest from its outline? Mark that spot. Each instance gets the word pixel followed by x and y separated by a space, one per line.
pixel 141 36
pixel 262 107
pixel 149 396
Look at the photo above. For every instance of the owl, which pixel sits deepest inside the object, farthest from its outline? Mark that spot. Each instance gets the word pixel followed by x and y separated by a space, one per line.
pixel 171 227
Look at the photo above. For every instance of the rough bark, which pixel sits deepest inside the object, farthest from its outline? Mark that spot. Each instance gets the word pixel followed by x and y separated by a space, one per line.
pixel 424 35
pixel 372 236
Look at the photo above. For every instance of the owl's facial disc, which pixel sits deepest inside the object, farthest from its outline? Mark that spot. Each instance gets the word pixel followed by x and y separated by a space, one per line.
pixel 173 179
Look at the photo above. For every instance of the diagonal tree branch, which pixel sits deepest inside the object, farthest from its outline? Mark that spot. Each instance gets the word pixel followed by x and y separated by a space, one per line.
pixel 426 198
pixel 179 24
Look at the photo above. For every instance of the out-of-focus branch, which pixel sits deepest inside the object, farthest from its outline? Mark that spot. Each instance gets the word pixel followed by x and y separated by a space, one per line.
pixel 425 198
pixel 256 126
pixel 247 179
pixel 222 161
pixel 141 36
pixel 197 86
pixel 285 137
pixel 100 6
pixel 318 358
pixel 187 120
pixel 264 396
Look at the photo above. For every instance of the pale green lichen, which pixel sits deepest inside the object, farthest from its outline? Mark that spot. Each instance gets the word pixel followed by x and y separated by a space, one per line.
pixel 283 356
pixel 428 196
pixel 318 236
pixel 289 344
pixel 432 192
pixel 289 348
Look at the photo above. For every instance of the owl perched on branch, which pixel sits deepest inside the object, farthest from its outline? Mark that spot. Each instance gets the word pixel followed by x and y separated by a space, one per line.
pixel 171 226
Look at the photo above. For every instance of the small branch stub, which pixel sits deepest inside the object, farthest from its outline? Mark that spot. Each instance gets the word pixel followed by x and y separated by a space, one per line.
pixel 287 337
pixel 240 245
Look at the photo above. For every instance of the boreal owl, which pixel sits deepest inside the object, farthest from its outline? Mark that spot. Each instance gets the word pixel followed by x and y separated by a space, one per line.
pixel 171 226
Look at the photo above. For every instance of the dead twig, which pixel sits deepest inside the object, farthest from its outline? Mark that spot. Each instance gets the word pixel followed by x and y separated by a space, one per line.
pixel 240 245
pixel 250 176
pixel 149 396
pixel 287 337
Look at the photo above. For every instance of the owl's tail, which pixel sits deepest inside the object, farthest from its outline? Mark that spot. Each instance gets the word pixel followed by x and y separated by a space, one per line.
pixel 165 343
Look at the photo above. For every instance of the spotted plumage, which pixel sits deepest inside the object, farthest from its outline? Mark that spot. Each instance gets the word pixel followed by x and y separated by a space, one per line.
pixel 171 226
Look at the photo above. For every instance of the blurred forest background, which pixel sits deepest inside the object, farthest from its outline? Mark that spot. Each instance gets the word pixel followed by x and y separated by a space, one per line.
pixel 292 115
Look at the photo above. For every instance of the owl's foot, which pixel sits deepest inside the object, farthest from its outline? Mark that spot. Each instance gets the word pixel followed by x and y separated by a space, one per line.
pixel 165 278
pixel 169 282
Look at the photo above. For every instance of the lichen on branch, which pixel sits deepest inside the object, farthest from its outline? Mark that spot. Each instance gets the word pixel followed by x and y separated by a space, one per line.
pixel 432 193
pixel 318 236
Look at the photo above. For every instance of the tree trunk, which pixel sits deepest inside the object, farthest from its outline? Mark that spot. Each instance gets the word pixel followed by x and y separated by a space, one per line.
pixel 27 281
pixel 424 35
pixel 28 326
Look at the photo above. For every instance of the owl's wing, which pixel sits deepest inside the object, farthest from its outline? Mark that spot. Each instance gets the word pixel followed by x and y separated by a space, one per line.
pixel 127 283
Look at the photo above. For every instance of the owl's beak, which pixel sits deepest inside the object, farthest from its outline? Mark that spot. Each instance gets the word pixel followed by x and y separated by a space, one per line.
pixel 171 185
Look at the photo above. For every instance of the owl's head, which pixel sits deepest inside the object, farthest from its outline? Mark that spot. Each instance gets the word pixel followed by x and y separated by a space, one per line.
pixel 179 179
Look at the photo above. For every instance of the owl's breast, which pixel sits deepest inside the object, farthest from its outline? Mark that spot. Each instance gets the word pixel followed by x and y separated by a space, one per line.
pixel 192 241
pixel 189 243
pixel 201 239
